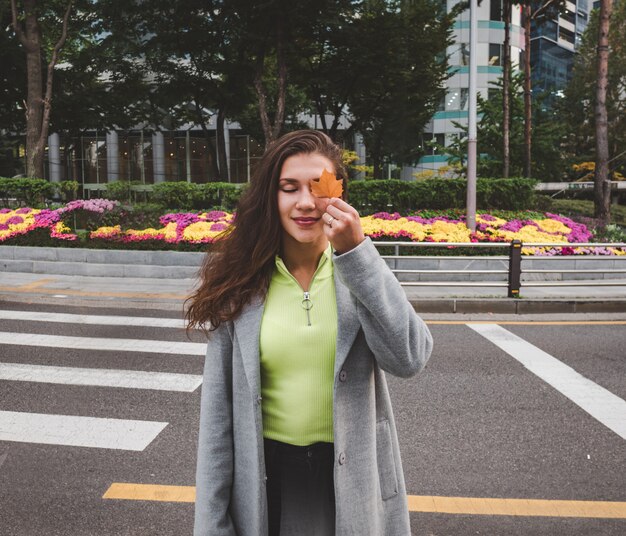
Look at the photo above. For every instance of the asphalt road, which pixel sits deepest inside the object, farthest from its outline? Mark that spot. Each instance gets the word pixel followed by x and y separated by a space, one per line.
pixel 477 423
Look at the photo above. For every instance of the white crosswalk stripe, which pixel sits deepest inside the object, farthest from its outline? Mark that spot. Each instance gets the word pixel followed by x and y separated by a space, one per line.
pixel 87 431
pixel 100 320
pixel 132 379
pixel 600 403
pixel 101 343
pixel 75 431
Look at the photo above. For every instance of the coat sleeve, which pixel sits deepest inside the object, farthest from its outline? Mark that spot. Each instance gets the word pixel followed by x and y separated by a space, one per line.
pixel 397 336
pixel 214 471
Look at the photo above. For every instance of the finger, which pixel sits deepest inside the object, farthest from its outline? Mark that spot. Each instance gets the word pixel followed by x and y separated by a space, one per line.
pixel 342 215
pixel 341 205
pixel 321 203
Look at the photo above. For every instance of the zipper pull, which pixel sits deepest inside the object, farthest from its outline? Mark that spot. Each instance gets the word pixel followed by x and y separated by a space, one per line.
pixel 307 304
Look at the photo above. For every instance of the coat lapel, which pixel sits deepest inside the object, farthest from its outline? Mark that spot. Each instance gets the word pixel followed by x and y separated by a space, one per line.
pixel 347 323
pixel 247 327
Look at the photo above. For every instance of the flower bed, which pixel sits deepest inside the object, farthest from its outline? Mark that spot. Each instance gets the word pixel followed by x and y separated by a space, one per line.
pixel 180 229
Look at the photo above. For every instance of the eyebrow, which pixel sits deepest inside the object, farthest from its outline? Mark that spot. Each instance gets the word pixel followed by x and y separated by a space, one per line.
pixel 287 179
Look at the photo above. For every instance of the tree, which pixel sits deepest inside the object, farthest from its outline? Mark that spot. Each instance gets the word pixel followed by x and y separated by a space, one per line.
pixel 27 24
pixel 547 135
pixel 602 185
pixel 537 11
pixel 577 107
pixel 403 53
pixel 506 91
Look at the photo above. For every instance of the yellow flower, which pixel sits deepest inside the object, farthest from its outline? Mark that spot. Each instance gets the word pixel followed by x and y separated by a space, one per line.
pixel 553 226
pixel 106 232
pixel 170 231
pixel 492 223
pixel 60 227
pixel 199 230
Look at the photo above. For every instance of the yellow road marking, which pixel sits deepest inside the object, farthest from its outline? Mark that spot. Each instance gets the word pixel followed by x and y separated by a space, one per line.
pixel 35 284
pixel 517 507
pixel 417 503
pixel 150 492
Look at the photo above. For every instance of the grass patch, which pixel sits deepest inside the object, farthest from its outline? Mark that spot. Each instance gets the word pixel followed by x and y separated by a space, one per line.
pixel 581 207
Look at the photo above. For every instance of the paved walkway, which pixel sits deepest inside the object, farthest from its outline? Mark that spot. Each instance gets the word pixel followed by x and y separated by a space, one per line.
pixel 170 293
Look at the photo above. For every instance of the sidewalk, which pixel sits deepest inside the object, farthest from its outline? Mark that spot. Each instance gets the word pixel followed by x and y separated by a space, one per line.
pixel 169 294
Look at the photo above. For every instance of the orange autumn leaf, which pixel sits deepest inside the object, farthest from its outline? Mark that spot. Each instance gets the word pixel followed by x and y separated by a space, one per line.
pixel 327 186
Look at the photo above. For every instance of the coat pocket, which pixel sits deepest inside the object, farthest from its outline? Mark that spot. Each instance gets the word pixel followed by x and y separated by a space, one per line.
pixel 386 463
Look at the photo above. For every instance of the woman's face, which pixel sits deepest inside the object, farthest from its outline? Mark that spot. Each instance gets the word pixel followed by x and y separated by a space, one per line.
pixel 300 211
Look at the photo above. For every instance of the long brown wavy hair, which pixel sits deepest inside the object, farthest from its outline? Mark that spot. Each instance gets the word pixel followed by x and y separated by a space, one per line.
pixel 240 265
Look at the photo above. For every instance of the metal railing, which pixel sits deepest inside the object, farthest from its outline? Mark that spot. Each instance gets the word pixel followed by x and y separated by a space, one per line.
pixel 513 259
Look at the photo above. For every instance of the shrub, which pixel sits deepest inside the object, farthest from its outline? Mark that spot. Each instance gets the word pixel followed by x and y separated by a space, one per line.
pixel 26 191
pixel 369 197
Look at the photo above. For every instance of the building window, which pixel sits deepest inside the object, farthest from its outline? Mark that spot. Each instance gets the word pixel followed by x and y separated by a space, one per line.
pixel 566 35
pixel 495 54
pixel 495 10
pixel 568 16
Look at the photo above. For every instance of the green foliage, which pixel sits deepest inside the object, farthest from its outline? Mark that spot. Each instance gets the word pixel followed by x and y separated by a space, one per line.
pixel 406 42
pixel 610 233
pixel 218 195
pixel 67 189
pixel 120 190
pixel 577 108
pixel 548 130
pixel 26 192
pixel 373 196
pixel 190 196
pixel 578 208
pixel 174 195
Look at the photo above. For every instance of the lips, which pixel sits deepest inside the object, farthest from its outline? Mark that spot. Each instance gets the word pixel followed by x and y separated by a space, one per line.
pixel 305 222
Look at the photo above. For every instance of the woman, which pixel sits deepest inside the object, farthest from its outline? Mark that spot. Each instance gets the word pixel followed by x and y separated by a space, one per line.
pixel 297 435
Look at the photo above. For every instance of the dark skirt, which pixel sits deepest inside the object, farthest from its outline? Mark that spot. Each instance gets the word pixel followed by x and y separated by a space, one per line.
pixel 300 489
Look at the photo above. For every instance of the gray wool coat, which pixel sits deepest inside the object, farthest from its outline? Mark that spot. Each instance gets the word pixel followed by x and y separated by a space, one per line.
pixel 377 330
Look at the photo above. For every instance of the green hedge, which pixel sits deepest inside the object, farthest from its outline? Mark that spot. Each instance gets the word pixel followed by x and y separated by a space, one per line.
pixel 34 192
pixel 369 197
pixel 180 195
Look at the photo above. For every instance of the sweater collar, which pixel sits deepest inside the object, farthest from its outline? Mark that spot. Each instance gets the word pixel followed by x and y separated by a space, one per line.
pixel 324 266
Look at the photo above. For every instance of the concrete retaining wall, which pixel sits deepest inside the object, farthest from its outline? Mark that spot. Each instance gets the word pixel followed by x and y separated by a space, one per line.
pixel 177 265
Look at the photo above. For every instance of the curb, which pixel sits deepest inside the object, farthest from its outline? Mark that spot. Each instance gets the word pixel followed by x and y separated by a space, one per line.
pixel 512 306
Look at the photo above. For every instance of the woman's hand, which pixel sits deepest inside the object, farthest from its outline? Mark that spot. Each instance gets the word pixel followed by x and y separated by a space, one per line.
pixel 342 225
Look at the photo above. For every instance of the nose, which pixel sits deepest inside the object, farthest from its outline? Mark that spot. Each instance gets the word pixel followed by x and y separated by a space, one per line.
pixel 306 200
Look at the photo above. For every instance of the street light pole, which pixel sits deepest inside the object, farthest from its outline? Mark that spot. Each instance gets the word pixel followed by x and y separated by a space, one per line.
pixel 471 141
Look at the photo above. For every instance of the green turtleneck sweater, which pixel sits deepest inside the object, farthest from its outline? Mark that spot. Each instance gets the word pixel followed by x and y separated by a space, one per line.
pixel 298 356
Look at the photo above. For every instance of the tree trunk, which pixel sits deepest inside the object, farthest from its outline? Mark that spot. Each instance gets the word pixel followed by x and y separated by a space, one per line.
pixel 38 106
pixel 602 186
pixel 279 117
pixel 220 145
pixel 261 95
pixel 527 93
pixel 30 37
pixel 506 78
pixel 271 131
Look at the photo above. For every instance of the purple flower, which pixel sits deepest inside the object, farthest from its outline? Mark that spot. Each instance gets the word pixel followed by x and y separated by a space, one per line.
pixel 47 217
pixel 5 210
pixel 215 215
pixel 182 219
pixel 386 216
pixel 15 220
pixel 219 227
pixel 4 227
pixel 23 210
